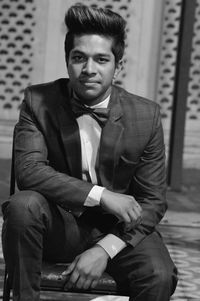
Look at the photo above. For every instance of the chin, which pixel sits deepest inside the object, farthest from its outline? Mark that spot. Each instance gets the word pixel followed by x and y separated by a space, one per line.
pixel 89 95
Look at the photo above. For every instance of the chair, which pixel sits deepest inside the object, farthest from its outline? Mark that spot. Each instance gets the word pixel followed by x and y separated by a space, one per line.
pixel 52 281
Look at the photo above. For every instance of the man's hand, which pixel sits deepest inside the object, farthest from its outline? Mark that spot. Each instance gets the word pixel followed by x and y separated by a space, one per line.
pixel 87 268
pixel 123 206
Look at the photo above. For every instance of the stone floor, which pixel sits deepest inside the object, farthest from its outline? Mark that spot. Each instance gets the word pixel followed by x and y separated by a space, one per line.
pixel 180 229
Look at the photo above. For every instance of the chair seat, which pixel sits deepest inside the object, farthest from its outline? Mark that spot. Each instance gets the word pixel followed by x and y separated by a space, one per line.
pixel 53 279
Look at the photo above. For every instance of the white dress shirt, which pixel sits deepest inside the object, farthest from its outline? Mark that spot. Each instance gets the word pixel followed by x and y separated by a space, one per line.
pixel 90 134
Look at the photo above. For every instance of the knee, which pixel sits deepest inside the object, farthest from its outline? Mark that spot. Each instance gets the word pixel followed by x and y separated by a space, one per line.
pixel 156 275
pixel 22 207
pixel 164 277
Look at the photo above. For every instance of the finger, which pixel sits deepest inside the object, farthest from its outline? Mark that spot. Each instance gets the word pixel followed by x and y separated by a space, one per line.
pixel 87 284
pixel 70 268
pixel 72 280
pixel 138 207
pixel 94 283
pixel 81 282
pixel 138 211
pixel 128 226
pixel 133 216
pixel 125 218
pixel 135 204
pixel 138 219
pixel 135 220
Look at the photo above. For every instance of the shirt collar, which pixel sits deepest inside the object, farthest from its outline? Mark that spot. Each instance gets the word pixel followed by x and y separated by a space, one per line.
pixel 102 104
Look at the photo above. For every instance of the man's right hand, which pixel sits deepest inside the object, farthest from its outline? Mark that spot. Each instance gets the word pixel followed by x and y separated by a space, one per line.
pixel 125 207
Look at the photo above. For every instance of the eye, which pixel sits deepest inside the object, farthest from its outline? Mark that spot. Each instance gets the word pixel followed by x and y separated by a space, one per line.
pixel 78 58
pixel 102 60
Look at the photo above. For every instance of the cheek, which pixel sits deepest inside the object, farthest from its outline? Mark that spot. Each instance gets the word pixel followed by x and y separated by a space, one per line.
pixel 73 71
pixel 109 74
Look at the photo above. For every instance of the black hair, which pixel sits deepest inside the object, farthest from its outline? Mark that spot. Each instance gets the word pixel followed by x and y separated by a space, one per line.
pixel 81 19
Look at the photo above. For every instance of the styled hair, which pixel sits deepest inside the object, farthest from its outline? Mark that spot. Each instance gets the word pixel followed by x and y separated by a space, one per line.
pixel 81 19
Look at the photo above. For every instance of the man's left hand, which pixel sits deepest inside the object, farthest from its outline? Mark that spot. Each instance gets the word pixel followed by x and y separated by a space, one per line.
pixel 86 269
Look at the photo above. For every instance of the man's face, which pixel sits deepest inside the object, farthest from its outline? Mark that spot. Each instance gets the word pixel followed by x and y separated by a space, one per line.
pixel 91 67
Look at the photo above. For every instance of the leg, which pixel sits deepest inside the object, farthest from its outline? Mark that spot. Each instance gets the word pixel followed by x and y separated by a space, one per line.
pixel 147 270
pixel 30 231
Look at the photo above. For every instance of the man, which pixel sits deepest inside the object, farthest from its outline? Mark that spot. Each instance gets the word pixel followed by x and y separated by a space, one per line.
pixel 92 184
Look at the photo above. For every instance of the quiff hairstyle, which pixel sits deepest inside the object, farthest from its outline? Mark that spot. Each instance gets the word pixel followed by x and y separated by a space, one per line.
pixel 81 19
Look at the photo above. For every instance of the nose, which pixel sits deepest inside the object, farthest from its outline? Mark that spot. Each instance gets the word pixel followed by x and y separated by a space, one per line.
pixel 89 66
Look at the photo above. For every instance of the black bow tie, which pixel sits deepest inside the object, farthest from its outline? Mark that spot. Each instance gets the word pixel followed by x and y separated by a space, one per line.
pixel 99 114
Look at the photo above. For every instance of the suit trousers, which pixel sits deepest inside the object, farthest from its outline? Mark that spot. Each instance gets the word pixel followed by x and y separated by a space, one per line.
pixel 35 230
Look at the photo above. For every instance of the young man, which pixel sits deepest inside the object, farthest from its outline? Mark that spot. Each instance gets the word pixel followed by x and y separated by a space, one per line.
pixel 90 164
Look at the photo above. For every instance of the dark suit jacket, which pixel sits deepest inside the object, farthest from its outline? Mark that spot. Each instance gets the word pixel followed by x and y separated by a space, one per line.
pixel 131 156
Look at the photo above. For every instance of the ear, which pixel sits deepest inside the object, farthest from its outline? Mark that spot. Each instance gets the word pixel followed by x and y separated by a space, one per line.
pixel 118 68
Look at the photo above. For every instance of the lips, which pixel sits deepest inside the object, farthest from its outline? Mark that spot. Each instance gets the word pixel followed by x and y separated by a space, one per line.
pixel 88 81
pixel 89 84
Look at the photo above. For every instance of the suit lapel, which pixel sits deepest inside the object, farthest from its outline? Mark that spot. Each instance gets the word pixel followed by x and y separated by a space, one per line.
pixel 110 144
pixel 70 134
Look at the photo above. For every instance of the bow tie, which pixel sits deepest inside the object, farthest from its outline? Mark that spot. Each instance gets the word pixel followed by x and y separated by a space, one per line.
pixel 99 114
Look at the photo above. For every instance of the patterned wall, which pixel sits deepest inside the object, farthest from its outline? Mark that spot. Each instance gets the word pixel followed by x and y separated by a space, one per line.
pixel 193 104
pixel 16 38
pixel 168 62
pixel 170 31
pixel 172 12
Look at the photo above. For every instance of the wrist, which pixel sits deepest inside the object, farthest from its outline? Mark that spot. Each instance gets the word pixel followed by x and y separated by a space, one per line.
pixel 102 251
pixel 103 197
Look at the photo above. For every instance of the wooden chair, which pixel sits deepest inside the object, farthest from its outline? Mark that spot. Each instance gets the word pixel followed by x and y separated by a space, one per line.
pixel 52 281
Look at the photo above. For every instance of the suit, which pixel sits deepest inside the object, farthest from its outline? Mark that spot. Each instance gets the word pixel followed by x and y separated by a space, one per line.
pixel 131 156
pixel 131 161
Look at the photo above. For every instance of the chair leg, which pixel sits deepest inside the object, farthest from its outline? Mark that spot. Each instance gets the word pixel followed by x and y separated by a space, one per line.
pixel 6 287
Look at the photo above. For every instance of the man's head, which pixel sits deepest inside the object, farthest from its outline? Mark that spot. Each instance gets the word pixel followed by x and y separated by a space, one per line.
pixel 81 19
pixel 94 47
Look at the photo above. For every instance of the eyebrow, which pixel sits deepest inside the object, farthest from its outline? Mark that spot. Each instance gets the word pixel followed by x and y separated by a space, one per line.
pixel 76 51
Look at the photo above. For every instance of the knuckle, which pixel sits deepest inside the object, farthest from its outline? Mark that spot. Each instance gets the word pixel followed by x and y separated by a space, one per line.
pixel 96 275
pixel 122 212
pixel 78 269
pixel 79 285
pixel 87 274
pixel 93 276
pixel 126 219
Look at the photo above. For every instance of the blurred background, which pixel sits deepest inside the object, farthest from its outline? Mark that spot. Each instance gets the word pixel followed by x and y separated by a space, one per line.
pixel 161 62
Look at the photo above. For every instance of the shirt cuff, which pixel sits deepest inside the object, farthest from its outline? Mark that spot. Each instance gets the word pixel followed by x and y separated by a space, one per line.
pixel 94 196
pixel 112 244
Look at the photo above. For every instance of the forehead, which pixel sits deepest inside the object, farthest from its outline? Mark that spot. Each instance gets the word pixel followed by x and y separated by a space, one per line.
pixel 92 43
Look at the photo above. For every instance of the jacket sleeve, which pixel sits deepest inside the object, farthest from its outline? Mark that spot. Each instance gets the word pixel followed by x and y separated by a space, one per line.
pixel 148 186
pixel 32 169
